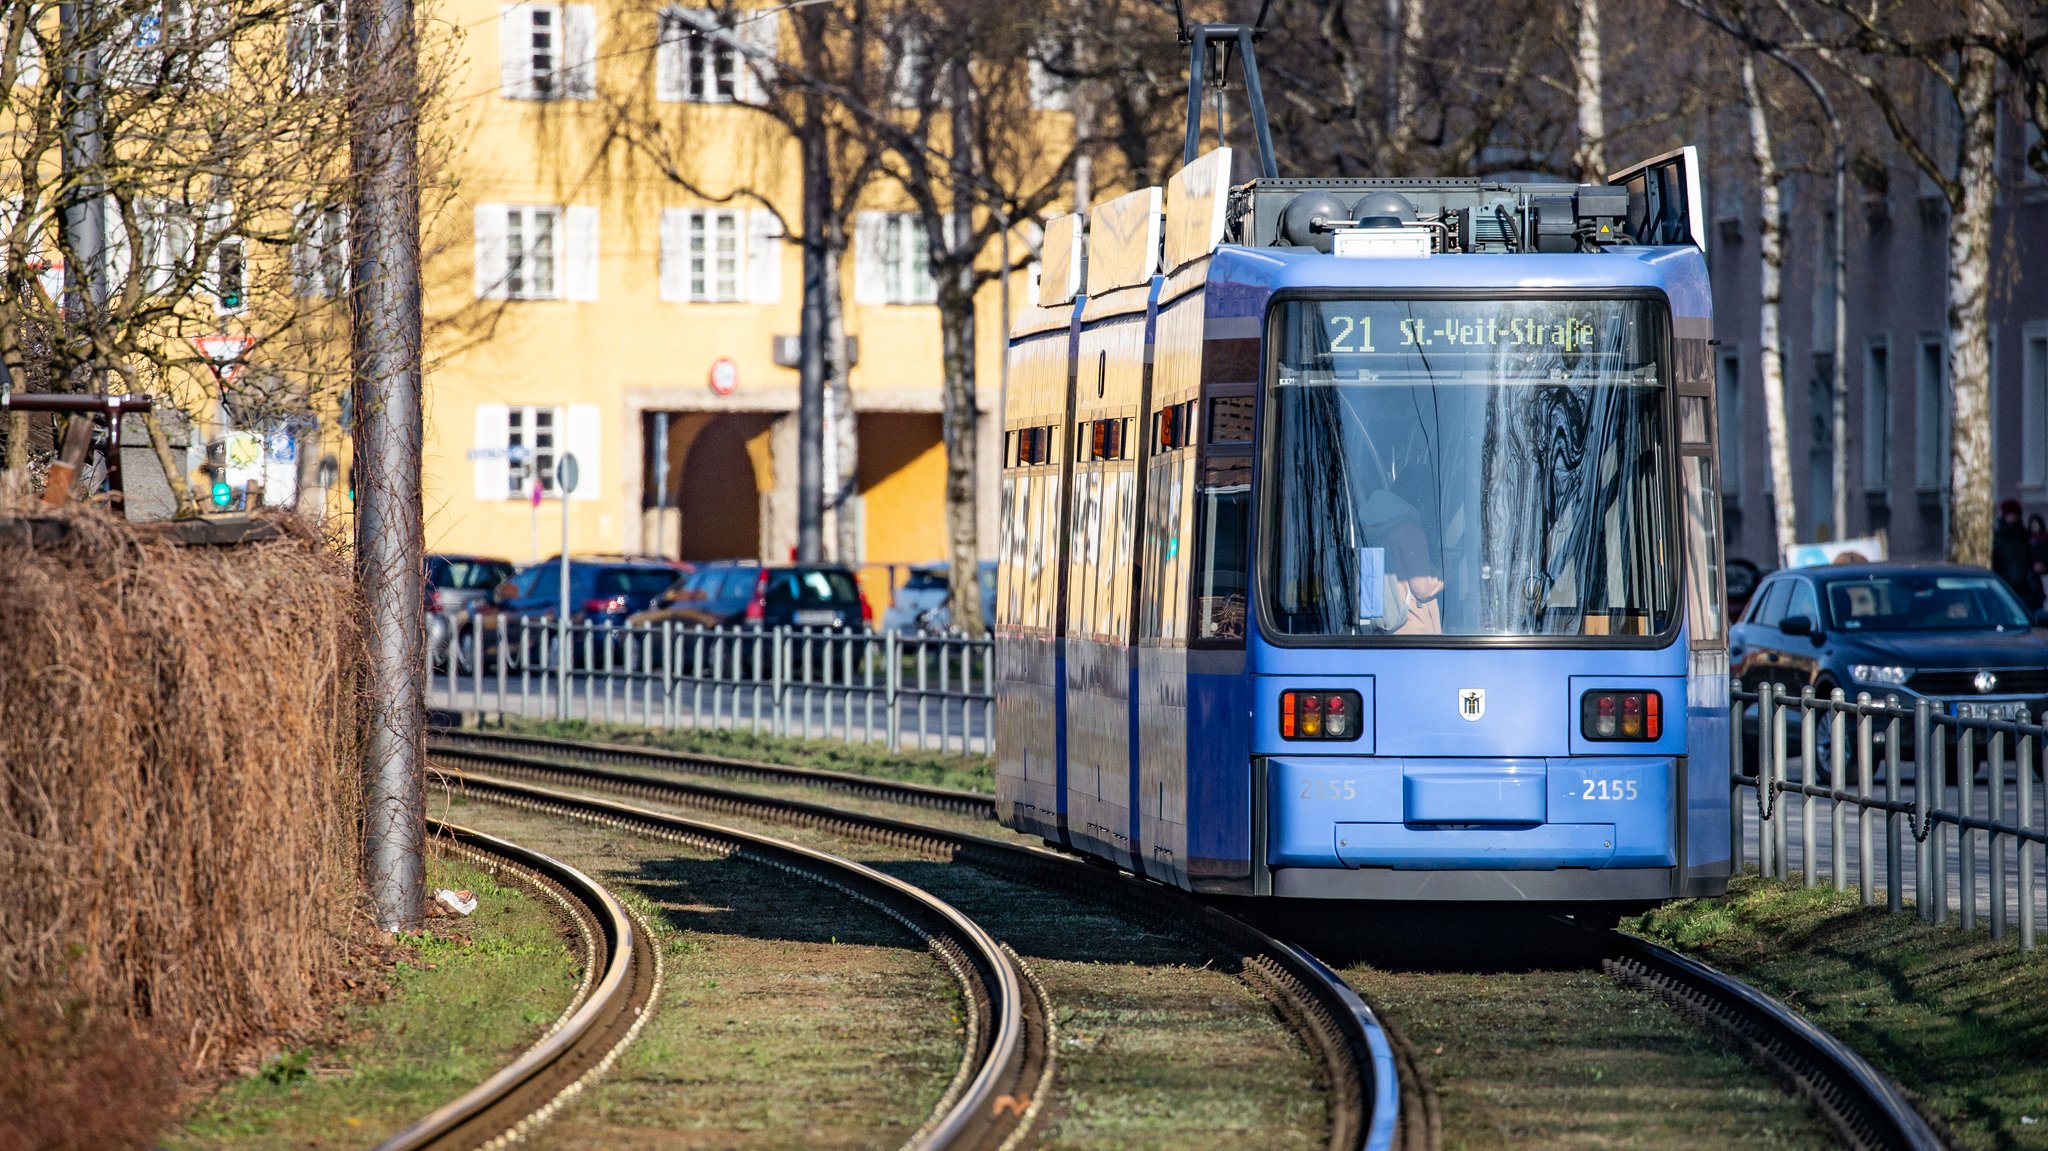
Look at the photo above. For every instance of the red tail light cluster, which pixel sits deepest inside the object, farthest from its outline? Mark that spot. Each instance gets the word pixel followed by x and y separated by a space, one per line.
pixel 1625 716
pixel 757 608
pixel 1320 714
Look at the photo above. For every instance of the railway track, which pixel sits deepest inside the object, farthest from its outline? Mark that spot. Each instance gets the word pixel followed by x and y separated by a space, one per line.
pixel 1865 1107
pixel 1007 1057
pixel 622 981
pixel 1377 1092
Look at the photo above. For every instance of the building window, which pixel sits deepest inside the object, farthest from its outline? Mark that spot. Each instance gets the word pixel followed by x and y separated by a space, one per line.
pixel 702 255
pixel 1728 398
pixel 319 45
pixel 320 255
pixel 1877 416
pixel 531 432
pixel 173 44
pixel 697 62
pixel 892 260
pixel 531 235
pixel 548 52
pixel 1930 415
pixel 2034 407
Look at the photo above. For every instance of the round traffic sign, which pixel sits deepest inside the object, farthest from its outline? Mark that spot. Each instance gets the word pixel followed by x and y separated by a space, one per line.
pixel 725 376
pixel 565 473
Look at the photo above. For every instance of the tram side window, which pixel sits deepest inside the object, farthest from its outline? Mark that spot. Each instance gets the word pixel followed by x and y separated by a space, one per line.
pixel 1224 580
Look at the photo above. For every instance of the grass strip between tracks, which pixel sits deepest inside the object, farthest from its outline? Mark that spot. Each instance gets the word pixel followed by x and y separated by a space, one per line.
pixel 465 998
pixel 1959 1019
pixel 966 772
pixel 792 1014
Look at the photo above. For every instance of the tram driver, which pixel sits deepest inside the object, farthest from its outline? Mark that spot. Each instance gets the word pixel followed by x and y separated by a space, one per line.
pixel 1399 560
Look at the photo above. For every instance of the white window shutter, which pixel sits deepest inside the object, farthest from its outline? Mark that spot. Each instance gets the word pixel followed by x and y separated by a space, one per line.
pixel 119 254
pixel 305 246
pixel 764 257
pixel 491 266
pixel 581 281
pixel 28 59
pixel 586 440
pixel 515 52
pixel 675 255
pixel 579 51
pixel 671 56
pixel 760 41
pixel 211 24
pixel 493 476
pixel 870 282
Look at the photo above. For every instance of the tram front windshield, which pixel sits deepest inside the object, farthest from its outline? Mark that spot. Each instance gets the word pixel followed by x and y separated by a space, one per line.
pixel 1469 468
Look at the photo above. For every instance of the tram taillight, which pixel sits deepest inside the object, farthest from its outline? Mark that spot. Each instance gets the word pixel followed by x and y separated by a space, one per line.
pixel 1320 714
pixel 1625 716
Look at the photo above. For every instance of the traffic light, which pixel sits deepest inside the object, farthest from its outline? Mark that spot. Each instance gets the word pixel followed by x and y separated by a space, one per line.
pixel 223 495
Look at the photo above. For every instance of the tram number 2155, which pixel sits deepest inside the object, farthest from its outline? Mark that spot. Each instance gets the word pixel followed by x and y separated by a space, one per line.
pixel 1608 789
pixel 1324 789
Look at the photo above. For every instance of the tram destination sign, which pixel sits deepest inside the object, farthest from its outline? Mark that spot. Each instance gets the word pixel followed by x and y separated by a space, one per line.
pixel 1410 327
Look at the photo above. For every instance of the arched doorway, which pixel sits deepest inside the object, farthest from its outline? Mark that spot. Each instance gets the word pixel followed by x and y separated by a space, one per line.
pixel 718 483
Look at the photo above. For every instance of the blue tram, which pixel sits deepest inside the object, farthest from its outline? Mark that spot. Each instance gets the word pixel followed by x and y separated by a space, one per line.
pixel 1360 539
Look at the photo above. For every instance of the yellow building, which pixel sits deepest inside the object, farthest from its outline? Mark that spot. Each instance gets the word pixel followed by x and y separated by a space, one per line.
pixel 608 313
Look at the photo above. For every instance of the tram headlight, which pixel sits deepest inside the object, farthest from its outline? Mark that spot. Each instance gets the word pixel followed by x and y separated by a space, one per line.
pixel 1622 716
pixel 1320 714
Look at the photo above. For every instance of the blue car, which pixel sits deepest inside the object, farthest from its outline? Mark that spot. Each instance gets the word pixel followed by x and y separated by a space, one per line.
pixel 1956 635
pixel 602 591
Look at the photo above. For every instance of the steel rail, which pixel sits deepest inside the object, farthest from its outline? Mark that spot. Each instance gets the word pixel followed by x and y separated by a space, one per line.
pixel 451 743
pixel 622 981
pixel 1866 1108
pixel 1372 1105
pixel 1007 1058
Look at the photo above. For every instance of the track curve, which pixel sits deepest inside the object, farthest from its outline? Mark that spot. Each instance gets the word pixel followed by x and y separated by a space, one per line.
pixel 1008 1054
pixel 1866 1108
pixel 1372 1104
pixel 622 982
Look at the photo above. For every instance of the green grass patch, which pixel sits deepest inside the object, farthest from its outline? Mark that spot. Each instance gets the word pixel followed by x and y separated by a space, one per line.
pixel 1956 1017
pixel 964 772
pixel 463 1001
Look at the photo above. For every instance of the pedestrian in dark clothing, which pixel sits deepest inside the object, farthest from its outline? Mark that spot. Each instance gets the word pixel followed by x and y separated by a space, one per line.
pixel 2037 538
pixel 2012 555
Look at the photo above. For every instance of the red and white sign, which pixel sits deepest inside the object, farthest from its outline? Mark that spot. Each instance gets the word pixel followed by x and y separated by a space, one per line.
pixel 725 376
pixel 223 353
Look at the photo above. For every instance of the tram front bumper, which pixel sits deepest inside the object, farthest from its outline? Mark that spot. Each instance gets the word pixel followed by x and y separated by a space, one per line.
pixel 1412 814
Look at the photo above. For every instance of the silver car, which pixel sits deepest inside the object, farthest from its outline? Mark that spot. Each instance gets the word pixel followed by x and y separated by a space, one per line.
pixel 456 584
pixel 924 604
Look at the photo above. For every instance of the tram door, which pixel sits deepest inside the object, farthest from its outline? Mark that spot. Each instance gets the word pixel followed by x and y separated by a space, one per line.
pixel 1102 553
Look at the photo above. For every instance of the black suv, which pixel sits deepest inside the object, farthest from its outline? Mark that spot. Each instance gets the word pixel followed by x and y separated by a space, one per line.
pixel 742 594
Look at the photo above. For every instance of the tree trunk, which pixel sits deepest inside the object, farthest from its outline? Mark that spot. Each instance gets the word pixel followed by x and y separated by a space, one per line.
pixel 845 426
pixel 960 421
pixel 1407 70
pixel 1591 159
pixel 1969 331
pixel 174 472
pixel 1771 248
pixel 813 146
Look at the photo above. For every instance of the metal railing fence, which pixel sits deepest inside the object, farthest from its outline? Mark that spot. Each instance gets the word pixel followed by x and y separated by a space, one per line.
pixel 904 691
pixel 1879 787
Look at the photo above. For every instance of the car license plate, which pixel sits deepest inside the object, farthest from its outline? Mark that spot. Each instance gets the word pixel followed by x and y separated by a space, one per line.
pixel 1972 710
pixel 816 617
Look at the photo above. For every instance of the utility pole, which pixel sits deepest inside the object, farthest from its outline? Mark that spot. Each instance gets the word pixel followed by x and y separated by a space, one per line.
pixel 85 264
pixel 385 341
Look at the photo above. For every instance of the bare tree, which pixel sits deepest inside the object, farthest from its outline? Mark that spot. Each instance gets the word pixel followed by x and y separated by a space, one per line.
pixel 1591 160
pixel 1771 267
pixel 1957 46
pixel 176 182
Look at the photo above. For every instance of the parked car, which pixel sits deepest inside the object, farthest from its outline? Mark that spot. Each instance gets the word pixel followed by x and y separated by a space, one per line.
pixel 456 584
pixel 1950 633
pixel 1742 577
pixel 603 590
pixel 739 593
pixel 924 604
